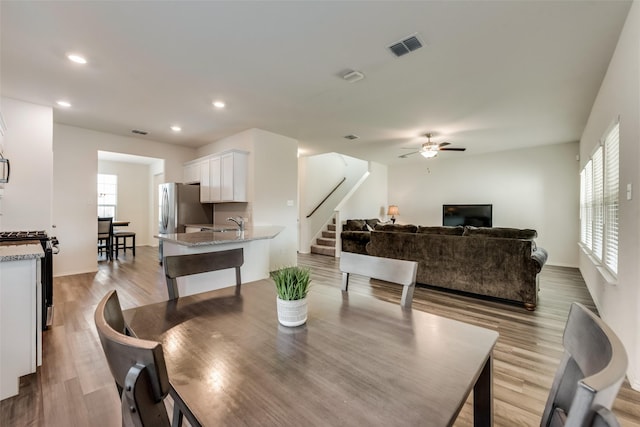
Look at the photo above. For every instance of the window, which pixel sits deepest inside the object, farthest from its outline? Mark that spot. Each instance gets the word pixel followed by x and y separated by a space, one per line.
pixel 599 189
pixel 107 195
pixel 597 207
pixel 611 192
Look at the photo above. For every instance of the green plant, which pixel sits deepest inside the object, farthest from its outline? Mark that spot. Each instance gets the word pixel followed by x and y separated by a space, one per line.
pixel 292 283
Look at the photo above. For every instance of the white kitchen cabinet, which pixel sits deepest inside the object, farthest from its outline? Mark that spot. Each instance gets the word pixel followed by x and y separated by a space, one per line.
pixel 215 171
pixel 20 316
pixel 191 172
pixel 234 177
pixel 205 196
pixel 222 176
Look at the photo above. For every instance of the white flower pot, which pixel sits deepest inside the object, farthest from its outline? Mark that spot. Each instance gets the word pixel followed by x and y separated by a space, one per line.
pixel 292 313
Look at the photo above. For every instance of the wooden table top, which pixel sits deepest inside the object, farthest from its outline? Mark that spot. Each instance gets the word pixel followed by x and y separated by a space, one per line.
pixel 357 361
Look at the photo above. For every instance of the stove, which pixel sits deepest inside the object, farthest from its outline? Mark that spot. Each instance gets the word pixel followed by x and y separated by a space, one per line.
pixel 50 247
pixel 22 235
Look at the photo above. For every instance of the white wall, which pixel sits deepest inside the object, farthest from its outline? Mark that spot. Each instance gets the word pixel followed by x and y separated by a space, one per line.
pixel 317 177
pixel 530 188
pixel 272 182
pixel 133 204
pixel 27 200
pixel 370 199
pixel 75 168
pixel 619 95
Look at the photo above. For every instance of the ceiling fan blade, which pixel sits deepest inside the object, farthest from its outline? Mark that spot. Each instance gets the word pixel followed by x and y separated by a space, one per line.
pixel 453 149
pixel 444 144
pixel 404 156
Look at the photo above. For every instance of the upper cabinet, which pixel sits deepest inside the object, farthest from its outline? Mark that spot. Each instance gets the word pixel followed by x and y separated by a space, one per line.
pixel 233 176
pixel 222 177
pixel 191 172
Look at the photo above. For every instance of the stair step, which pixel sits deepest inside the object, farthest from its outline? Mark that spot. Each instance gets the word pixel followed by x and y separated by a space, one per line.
pixel 322 241
pixel 331 227
pixel 329 234
pixel 323 250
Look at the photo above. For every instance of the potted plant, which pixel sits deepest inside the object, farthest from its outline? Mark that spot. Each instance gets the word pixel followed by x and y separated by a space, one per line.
pixel 292 285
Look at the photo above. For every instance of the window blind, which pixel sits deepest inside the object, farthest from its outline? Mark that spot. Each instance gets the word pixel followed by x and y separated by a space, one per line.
pixel 611 196
pixel 588 192
pixel 583 207
pixel 597 208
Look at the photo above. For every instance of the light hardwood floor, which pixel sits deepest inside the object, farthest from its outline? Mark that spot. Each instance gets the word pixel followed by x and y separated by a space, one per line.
pixel 74 385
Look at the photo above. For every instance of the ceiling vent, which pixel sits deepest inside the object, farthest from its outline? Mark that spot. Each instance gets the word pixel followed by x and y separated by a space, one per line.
pixel 353 76
pixel 405 46
pixel 351 137
pixel 139 132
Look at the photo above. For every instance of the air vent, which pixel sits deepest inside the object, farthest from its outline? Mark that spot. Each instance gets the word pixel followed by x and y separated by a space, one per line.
pixel 139 132
pixel 351 137
pixel 405 46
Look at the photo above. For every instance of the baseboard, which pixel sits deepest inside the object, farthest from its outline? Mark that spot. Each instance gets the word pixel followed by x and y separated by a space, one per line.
pixel 556 264
pixel 634 382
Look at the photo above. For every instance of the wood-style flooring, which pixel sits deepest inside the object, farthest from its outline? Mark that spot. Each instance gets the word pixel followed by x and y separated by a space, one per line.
pixel 74 387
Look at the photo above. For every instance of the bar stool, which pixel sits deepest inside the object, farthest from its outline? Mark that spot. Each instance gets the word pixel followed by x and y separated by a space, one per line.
pixel 117 244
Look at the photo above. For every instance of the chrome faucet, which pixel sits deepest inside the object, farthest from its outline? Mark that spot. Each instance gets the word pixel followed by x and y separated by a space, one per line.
pixel 239 221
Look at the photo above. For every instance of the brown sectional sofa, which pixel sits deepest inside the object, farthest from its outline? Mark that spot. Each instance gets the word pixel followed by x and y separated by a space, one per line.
pixel 495 262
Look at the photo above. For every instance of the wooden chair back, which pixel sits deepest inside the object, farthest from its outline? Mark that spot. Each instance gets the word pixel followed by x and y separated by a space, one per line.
pixel 184 265
pixel 590 373
pixel 137 366
pixel 105 235
pixel 605 418
pixel 390 270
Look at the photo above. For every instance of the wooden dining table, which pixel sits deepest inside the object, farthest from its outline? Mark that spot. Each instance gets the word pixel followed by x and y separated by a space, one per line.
pixel 358 361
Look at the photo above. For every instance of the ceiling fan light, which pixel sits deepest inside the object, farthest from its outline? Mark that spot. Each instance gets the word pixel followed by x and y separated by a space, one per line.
pixel 429 153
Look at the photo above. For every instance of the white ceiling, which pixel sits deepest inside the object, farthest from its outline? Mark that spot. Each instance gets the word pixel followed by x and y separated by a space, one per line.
pixel 492 75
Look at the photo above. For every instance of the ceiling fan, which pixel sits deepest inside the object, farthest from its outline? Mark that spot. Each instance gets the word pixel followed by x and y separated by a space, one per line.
pixel 430 149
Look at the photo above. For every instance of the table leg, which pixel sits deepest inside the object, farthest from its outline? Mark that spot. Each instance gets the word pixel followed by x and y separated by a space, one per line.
pixel 483 396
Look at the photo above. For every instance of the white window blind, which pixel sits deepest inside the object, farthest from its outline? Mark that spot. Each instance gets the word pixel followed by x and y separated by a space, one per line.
pixel 107 195
pixel 583 207
pixel 588 192
pixel 597 208
pixel 611 195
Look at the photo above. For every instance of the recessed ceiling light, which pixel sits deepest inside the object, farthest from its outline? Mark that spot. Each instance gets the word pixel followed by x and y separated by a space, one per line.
pixel 77 58
pixel 63 104
pixel 218 104
pixel 176 128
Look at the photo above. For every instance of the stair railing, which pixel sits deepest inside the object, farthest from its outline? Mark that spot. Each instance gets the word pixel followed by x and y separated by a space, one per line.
pixel 327 196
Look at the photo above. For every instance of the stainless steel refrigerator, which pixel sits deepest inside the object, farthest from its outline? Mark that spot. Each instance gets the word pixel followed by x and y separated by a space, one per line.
pixel 180 205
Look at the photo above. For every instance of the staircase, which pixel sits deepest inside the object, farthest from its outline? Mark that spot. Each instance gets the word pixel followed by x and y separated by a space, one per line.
pixel 326 245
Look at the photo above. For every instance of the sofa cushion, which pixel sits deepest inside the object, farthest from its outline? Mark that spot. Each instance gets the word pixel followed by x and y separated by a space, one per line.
pixel 503 232
pixel 398 228
pixel 355 225
pixel 450 231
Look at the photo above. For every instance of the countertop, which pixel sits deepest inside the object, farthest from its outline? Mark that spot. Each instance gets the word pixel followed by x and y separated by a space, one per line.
pixel 20 250
pixel 204 238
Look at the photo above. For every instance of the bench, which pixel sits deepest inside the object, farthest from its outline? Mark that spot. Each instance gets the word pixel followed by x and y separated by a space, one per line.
pixel 387 269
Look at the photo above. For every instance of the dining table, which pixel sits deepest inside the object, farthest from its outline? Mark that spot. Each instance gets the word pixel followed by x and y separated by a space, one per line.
pixel 356 361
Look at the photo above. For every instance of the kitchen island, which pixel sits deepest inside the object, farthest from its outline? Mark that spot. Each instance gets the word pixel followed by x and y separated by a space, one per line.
pixel 20 313
pixel 255 244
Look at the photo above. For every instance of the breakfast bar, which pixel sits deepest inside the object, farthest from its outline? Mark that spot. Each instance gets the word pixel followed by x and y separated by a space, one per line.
pixel 255 244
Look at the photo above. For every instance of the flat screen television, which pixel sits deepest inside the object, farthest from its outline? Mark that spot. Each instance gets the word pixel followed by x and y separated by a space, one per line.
pixel 474 215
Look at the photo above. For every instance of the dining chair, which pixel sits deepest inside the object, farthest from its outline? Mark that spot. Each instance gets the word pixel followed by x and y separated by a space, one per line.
pixel 184 265
pixel 105 236
pixel 605 418
pixel 390 270
pixel 137 366
pixel 591 371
